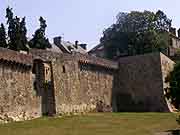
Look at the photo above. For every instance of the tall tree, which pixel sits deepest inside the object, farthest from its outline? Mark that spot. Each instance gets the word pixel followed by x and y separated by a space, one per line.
pixel 39 39
pixel 3 42
pixel 137 33
pixel 23 33
pixel 16 31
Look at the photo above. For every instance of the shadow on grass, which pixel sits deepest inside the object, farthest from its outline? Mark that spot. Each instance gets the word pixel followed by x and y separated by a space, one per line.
pixel 169 132
pixel 173 132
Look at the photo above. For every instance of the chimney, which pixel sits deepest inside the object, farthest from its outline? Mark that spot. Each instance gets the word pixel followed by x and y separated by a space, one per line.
pixel 173 31
pixel 179 33
pixel 76 44
pixel 57 40
pixel 84 46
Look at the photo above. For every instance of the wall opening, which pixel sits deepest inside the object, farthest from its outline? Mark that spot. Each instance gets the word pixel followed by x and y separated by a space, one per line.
pixel 43 84
pixel 63 69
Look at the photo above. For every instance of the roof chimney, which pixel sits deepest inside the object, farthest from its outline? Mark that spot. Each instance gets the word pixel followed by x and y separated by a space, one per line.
pixel 76 44
pixel 173 31
pixel 57 40
pixel 179 32
pixel 84 46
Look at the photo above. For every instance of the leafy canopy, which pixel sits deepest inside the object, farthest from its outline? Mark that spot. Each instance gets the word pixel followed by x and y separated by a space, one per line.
pixel 39 39
pixel 137 33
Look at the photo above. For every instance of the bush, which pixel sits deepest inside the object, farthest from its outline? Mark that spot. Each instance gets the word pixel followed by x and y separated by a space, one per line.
pixel 173 92
pixel 178 119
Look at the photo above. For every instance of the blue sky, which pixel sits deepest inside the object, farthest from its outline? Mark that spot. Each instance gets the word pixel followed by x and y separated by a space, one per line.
pixel 83 20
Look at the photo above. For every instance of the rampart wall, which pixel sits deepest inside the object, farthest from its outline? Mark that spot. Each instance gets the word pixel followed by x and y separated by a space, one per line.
pixel 45 82
pixel 18 100
pixel 82 87
pixel 82 83
pixel 141 83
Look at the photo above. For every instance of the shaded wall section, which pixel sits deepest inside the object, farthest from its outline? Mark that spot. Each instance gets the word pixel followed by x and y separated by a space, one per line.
pixel 140 84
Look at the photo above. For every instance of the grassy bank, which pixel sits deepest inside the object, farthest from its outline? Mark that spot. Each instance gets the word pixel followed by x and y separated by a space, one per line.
pixel 95 124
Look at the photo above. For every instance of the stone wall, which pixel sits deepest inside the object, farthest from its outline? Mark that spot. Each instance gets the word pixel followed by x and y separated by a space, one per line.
pixel 84 83
pixel 18 100
pixel 17 97
pixel 174 45
pixel 53 83
pixel 81 87
pixel 81 83
pixel 167 65
pixel 140 86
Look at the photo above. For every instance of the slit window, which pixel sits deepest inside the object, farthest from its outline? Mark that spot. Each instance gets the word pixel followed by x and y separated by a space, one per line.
pixel 63 69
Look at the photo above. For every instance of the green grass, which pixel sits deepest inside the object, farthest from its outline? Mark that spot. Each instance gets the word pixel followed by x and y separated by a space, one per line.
pixel 95 124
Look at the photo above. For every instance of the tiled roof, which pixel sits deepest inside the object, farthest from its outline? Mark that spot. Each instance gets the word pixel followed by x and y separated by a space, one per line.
pixel 54 49
pixel 83 58
pixel 67 45
pixel 97 61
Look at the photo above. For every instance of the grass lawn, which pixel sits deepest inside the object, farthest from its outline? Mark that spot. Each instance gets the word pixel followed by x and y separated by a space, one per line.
pixel 95 124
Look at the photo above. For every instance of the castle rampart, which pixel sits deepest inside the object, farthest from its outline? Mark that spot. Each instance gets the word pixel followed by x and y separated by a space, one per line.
pixel 49 83
pixel 18 101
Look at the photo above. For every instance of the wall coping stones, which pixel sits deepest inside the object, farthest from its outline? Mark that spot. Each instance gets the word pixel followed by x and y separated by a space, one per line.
pixel 126 59
pixel 15 57
pixel 96 61
pixel 45 55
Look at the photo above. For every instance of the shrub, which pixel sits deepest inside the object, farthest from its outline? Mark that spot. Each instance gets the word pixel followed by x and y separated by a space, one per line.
pixel 173 92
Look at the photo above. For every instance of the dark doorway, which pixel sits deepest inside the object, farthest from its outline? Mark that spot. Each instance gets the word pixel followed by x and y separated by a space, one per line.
pixel 44 86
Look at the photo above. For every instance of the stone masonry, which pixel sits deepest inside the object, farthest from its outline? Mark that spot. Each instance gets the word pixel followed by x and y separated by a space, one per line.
pixel 141 83
pixel 49 83
pixel 18 100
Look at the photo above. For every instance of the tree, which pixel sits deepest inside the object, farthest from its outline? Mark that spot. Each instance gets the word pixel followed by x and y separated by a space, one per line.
pixel 3 42
pixel 173 92
pixel 39 40
pixel 137 33
pixel 16 31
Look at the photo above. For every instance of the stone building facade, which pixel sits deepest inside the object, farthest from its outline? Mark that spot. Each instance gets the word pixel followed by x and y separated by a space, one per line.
pixel 50 83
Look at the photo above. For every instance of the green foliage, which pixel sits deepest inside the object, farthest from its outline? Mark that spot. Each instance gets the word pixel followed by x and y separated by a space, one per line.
pixel 16 36
pixel 3 42
pixel 137 33
pixel 173 92
pixel 16 31
pixel 178 119
pixel 95 124
pixel 39 40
